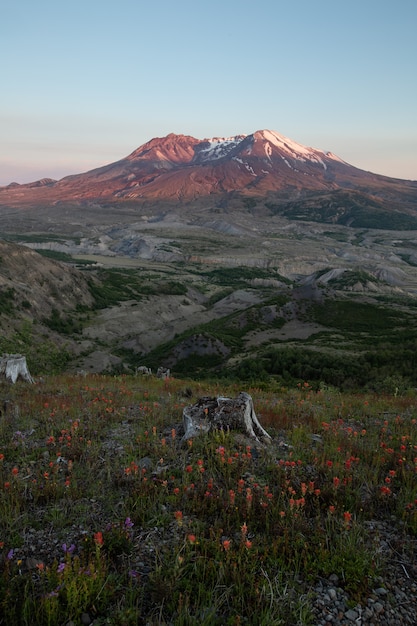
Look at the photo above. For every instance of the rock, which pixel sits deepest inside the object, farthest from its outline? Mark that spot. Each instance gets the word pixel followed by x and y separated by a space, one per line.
pixel 378 608
pixel 381 591
pixel 332 593
pixel 352 615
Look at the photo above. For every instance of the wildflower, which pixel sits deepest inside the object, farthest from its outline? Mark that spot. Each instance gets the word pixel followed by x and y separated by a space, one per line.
pixel 15 471
pixel 176 490
pixel 98 538
pixel 332 509
pixel 178 516
pixel 248 544
pixel 244 529
pixel 282 513
pixel 128 523
pixel 231 496
pixel 192 538
pixel 249 496
pixel 226 544
pixel 10 554
pixel 336 482
pixel 347 517
pixel 68 550
pixel 189 469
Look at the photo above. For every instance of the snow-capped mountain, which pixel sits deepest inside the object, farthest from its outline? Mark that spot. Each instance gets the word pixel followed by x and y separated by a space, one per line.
pixel 180 168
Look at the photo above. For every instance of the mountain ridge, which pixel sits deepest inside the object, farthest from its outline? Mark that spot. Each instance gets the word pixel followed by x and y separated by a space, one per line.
pixel 181 168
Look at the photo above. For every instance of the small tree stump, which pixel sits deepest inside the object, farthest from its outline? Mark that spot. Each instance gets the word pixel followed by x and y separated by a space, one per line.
pixel 163 372
pixel 223 414
pixel 13 366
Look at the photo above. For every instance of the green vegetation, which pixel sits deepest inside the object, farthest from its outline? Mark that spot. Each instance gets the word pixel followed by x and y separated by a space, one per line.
pixel 353 316
pixel 66 326
pixel 241 276
pixel 7 300
pixel 105 512
pixel 117 285
pixel 38 238
pixel 347 208
pixel 63 257
pixel 43 355
pixel 352 277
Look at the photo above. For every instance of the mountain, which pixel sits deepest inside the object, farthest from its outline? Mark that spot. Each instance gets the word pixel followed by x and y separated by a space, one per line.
pixel 262 166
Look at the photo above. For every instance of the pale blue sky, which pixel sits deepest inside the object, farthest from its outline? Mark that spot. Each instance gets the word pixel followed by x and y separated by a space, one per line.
pixel 85 82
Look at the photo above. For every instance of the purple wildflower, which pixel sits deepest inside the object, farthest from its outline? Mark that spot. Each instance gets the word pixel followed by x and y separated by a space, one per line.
pixel 68 550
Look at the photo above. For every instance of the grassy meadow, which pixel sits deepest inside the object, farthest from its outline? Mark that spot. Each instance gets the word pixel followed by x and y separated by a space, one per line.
pixel 106 513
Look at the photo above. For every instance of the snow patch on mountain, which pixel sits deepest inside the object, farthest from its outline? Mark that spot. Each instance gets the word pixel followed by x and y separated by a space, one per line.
pixel 246 165
pixel 291 148
pixel 218 147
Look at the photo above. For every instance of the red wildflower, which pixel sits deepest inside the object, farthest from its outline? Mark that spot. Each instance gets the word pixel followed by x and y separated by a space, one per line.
pixel 226 544
pixel 347 517
pixel 98 538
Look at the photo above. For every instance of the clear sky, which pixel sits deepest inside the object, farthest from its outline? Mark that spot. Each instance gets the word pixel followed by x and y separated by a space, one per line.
pixel 85 82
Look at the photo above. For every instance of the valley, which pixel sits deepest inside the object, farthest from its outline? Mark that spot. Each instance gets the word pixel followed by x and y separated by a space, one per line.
pixel 251 257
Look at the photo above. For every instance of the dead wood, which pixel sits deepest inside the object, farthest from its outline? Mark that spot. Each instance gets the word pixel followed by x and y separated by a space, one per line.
pixel 226 414
pixel 14 366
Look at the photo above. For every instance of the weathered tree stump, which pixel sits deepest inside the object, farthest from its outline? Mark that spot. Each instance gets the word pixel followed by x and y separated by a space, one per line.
pixel 163 372
pixel 13 366
pixel 223 414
